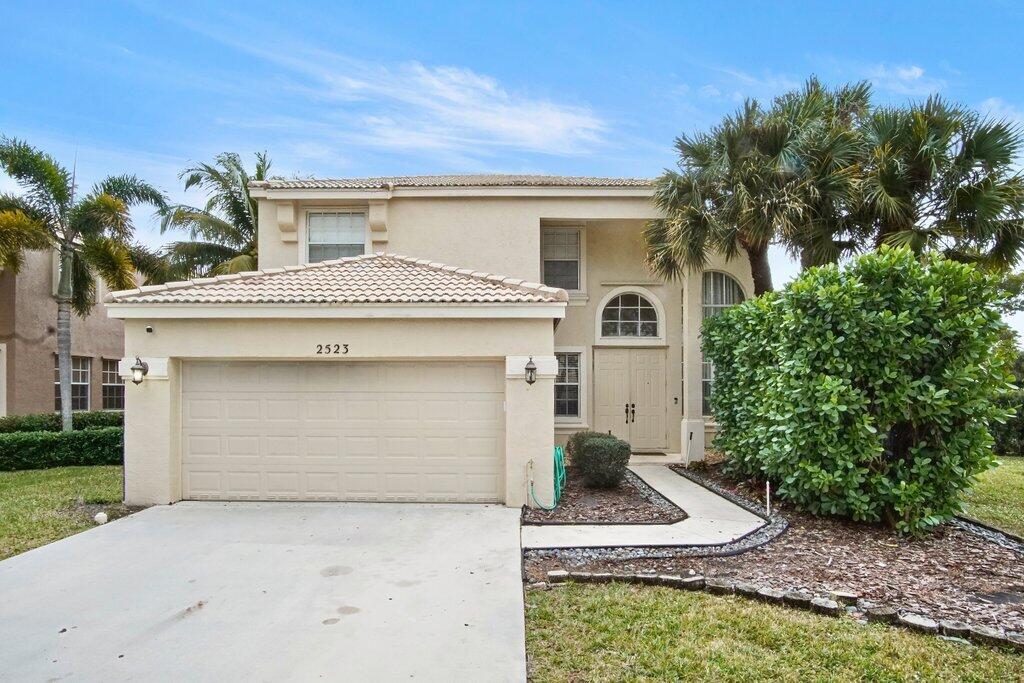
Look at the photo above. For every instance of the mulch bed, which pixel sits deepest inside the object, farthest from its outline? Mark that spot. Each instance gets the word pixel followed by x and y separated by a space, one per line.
pixel 632 502
pixel 951 574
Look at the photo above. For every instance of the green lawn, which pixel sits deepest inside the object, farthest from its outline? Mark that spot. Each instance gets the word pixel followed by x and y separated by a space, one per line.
pixel 41 506
pixel 620 632
pixel 998 499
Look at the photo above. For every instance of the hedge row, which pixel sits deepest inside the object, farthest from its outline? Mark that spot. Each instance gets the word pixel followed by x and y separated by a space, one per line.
pixel 40 450
pixel 50 422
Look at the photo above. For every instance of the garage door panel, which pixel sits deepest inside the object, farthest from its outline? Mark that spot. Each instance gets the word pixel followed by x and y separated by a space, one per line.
pixel 343 431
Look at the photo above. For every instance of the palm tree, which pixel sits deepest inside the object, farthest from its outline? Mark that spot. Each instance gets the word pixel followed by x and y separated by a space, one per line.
pixel 92 235
pixel 227 225
pixel 941 177
pixel 734 192
pixel 784 175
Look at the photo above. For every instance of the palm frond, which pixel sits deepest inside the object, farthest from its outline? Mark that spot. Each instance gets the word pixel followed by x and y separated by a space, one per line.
pixel 48 185
pixel 83 286
pixel 111 259
pixel 18 234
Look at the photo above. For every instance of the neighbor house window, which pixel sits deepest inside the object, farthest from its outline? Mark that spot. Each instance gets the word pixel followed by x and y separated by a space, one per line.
pixel 629 315
pixel 720 292
pixel 560 250
pixel 80 372
pixel 567 385
pixel 335 234
pixel 113 386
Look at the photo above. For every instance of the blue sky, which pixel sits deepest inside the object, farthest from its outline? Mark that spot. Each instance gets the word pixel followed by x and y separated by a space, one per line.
pixel 350 89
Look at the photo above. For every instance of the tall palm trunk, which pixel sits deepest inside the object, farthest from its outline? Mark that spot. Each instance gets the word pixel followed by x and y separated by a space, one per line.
pixel 64 336
pixel 760 269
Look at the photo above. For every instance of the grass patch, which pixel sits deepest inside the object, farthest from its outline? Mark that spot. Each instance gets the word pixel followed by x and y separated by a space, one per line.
pixel 41 506
pixel 619 632
pixel 998 498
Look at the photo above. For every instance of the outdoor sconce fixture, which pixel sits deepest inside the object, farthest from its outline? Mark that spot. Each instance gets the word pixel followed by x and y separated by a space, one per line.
pixel 531 371
pixel 139 370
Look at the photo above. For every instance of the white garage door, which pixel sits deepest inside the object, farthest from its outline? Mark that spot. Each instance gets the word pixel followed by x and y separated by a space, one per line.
pixel 343 431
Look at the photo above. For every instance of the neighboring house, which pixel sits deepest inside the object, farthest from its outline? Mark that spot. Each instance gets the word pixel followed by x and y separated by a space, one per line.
pixel 28 345
pixel 383 377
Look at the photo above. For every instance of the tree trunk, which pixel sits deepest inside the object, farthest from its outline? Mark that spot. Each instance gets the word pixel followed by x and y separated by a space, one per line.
pixel 64 336
pixel 760 269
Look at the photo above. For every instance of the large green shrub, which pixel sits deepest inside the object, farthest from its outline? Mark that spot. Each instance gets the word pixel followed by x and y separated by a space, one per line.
pixel 50 422
pixel 865 391
pixel 40 450
pixel 602 460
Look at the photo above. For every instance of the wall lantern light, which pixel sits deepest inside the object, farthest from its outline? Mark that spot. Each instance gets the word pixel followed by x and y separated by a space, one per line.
pixel 531 371
pixel 139 370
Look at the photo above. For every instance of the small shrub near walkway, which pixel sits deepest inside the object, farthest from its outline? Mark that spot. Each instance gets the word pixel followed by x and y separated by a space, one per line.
pixel 618 632
pixel 39 450
pixel 41 506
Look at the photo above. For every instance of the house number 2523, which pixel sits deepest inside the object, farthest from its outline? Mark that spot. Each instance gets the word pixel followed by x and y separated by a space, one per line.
pixel 331 349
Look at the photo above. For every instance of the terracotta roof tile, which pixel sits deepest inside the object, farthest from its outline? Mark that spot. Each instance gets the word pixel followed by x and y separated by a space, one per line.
pixel 483 180
pixel 370 279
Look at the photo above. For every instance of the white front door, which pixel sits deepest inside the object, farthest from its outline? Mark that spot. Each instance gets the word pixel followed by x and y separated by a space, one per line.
pixel 387 431
pixel 629 396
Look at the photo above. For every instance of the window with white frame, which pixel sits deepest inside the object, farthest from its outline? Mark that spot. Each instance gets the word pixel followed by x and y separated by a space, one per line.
pixel 562 257
pixel 567 385
pixel 80 374
pixel 334 234
pixel 113 386
pixel 720 292
pixel 629 315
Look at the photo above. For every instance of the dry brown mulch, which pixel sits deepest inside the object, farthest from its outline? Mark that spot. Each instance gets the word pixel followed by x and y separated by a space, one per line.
pixel 950 574
pixel 630 502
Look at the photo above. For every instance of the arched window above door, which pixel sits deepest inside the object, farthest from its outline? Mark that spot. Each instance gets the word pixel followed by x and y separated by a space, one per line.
pixel 630 315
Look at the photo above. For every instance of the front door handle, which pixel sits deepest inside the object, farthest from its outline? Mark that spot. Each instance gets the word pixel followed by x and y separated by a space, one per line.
pixel 633 406
pixel 627 413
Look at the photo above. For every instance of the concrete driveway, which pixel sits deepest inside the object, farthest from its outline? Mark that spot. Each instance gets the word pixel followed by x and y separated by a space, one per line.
pixel 272 591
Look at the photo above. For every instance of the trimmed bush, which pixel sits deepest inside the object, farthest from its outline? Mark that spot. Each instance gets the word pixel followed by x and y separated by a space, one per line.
pixel 40 450
pixel 602 460
pixel 50 422
pixel 865 391
pixel 575 443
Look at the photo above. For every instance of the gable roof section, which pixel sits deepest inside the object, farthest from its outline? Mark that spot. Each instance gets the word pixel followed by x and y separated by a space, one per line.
pixel 451 181
pixel 380 279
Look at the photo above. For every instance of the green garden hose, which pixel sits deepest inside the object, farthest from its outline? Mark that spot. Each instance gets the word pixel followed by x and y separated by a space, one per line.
pixel 559 481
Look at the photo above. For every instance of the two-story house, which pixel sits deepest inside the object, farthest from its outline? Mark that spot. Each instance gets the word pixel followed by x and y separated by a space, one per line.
pixel 422 338
pixel 28 345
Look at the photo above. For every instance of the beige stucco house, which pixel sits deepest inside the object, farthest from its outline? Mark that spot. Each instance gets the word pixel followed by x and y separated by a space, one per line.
pixel 381 352
pixel 28 345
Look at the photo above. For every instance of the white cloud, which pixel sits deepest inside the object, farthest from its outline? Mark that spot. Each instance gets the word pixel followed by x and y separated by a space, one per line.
pixel 903 79
pixel 408 105
pixel 998 108
pixel 709 92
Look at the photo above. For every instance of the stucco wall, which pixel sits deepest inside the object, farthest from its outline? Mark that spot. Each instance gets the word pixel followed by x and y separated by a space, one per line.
pixel 152 418
pixel 28 324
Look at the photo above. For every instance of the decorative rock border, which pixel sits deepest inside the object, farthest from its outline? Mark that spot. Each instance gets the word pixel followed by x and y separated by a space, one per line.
pixel 835 604
pixel 990 533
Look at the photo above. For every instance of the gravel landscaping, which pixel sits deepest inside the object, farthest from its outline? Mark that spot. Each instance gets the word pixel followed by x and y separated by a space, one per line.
pixel 953 574
pixel 632 502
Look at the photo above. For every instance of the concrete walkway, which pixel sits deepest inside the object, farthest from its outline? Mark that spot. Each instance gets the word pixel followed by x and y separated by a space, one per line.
pixel 712 520
pixel 271 592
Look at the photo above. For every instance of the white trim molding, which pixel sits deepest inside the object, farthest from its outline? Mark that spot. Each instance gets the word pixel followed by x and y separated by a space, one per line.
pixel 659 307
pixel 584 379
pixel 515 366
pixel 535 310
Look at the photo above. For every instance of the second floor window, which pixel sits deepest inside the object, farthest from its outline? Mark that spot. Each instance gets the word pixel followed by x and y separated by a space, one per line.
pixel 80 374
pixel 335 234
pixel 560 250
